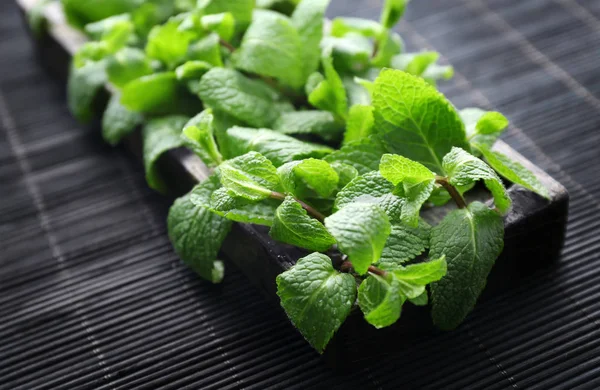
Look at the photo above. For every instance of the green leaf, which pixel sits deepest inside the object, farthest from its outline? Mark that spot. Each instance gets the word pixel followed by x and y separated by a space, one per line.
pixel 364 154
pixel 243 210
pixel 483 127
pixel 207 49
pixel 320 123
pixel 97 29
pixel 223 24
pixel 392 12
pixel 277 147
pixel 294 226
pixel 150 14
pixel 412 279
pixel 514 171
pixel 316 298
pixel 250 176
pixel 308 177
pixel 366 27
pixel 160 135
pixel 421 300
pixel 198 136
pixel 82 88
pixel 464 168
pixel 118 121
pixel 380 300
pixel 197 235
pixel 350 54
pixel 358 90
pixel 361 231
pixel 272 36
pixel 151 93
pixel 471 239
pixel 168 44
pixel 329 94
pixel 126 65
pixel 192 70
pixel 389 45
pixel 360 123
pixel 413 181
pixel 423 64
pixel 371 184
pixel 79 13
pixel 247 100
pixel 308 21
pixel 345 173
pixel 414 120
pixel 404 244
pixel 240 9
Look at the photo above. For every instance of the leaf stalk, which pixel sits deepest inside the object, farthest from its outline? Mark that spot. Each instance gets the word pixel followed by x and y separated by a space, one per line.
pixel 456 196
pixel 309 209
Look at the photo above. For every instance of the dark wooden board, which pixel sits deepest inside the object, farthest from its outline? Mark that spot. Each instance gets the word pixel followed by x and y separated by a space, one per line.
pixel 534 228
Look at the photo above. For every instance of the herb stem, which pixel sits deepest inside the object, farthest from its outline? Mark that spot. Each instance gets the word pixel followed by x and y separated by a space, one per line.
pixel 226 45
pixel 347 265
pixel 309 209
pixel 456 196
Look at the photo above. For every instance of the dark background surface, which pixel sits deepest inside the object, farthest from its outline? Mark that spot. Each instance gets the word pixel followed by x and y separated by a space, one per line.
pixel 92 296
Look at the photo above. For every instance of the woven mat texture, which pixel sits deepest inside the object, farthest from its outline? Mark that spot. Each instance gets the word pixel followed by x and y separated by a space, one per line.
pixel 93 297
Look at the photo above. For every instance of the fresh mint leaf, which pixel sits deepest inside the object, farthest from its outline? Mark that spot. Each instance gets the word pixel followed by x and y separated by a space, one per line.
pixel 366 27
pixel 392 12
pixel 150 93
pixel 168 44
pixel 247 100
pixel 319 123
pixel 97 29
pixel 307 18
pixel 389 45
pixel 357 90
pixel 329 94
pixel 413 278
pixel 240 9
pixel 364 154
pixel 307 178
pixel 371 184
pixel 160 135
pixel 415 63
pixel 483 127
pixel 316 298
pixel 197 235
pixel 207 49
pixel 471 239
pixel 514 171
pixel 250 176
pixel 242 210
pixel 345 173
pixel 82 88
pixel 350 54
pixel 361 230
pixel 414 120
pixel 380 300
pixel 270 36
pixel 118 121
pixel 198 136
pixel 413 181
pixel 222 24
pixel 126 65
pixel 360 123
pixel 293 225
pixel 464 168
pixel 277 147
pixel 404 244
pixel 79 13
pixel 192 70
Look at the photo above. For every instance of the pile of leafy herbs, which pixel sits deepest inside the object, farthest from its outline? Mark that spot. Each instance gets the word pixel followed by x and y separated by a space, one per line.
pixel 334 140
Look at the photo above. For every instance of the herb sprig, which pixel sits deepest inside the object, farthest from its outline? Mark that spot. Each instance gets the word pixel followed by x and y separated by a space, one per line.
pixel 334 140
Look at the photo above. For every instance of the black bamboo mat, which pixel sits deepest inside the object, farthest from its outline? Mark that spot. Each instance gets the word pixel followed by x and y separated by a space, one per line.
pixel 92 296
